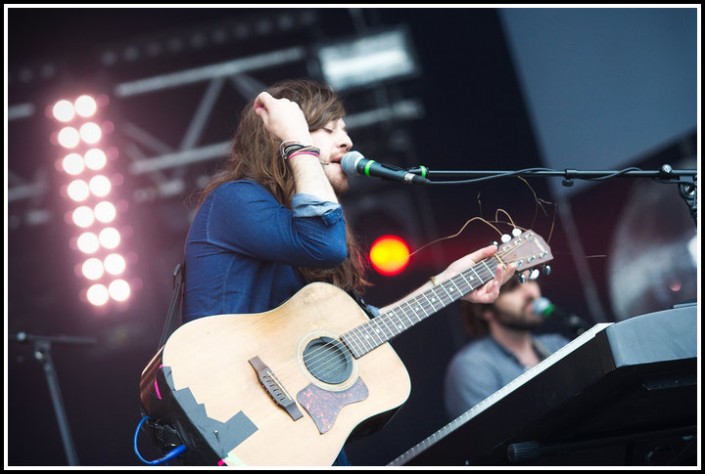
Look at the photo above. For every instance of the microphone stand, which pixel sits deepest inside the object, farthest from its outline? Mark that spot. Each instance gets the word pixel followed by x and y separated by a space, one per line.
pixel 685 179
pixel 42 353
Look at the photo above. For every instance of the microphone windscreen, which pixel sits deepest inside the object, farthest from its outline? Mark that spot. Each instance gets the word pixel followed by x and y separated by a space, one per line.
pixel 542 306
pixel 349 161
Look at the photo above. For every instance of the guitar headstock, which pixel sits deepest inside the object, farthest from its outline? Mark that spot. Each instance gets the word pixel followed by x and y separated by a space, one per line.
pixel 527 250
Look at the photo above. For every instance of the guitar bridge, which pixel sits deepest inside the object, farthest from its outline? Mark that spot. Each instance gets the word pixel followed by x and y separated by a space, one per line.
pixel 275 389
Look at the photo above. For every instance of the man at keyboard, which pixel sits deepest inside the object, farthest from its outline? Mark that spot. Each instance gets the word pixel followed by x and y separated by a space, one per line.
pixel 503 346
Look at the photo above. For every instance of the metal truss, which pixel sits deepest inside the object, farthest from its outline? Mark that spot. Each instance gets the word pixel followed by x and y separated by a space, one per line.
pixel 160 165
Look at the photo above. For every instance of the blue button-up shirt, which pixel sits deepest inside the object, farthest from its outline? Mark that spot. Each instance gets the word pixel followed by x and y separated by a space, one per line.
pixel 243 249
pixel 483 366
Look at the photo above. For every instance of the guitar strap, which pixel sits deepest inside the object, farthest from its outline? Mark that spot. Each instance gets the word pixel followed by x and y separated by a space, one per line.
pixel 367 308
pixel 173 320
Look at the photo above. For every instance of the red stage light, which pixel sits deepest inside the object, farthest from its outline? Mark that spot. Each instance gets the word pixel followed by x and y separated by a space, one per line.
pixel 389 255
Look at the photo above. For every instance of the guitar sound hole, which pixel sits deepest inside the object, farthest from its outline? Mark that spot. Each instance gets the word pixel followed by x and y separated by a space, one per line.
pixel 328 360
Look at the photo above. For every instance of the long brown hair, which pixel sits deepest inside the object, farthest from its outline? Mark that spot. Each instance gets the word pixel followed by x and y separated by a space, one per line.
pixel 255 155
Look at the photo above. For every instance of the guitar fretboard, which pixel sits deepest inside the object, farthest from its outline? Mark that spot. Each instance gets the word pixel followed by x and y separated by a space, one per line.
pixel 384 327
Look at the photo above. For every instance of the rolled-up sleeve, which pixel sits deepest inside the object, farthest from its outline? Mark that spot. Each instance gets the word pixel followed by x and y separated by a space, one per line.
pixel 307 205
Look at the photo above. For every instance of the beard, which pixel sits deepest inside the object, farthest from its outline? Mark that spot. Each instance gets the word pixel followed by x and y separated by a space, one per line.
pixel 520 322
pixel 337 179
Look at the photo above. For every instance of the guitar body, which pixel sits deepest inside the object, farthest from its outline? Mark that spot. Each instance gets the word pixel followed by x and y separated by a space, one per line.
pixel 274 388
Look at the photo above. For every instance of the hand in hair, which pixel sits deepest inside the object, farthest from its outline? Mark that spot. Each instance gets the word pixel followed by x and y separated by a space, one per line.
pixel 282 118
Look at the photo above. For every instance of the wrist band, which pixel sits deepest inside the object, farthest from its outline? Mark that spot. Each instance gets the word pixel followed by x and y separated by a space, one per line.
pixel 286 148
pixel 290 148
pixel 305 151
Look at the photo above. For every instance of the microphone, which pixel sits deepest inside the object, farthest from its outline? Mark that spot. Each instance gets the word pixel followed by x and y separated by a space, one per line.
pixel 543 306
pixel 354 163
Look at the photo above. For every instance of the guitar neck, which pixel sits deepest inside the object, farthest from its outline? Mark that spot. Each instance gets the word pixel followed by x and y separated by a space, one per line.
pixel 411 311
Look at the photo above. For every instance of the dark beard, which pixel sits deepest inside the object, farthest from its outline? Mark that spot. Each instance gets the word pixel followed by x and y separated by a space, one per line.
pixel 519 324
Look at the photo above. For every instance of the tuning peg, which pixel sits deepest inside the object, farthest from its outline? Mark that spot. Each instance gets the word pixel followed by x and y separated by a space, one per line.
pixel 534 274
pixel 506 238
pixel 495 243
pixel 546 269
pixel 521 277
pixel 516 232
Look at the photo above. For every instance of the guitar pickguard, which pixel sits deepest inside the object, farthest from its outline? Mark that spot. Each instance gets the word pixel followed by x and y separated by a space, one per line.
pixel 323 406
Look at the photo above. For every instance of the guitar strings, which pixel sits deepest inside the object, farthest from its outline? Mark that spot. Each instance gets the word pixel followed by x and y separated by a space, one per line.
pixel 370 343
pixel 387 317
pixel 327 349
pixel 328 352
pixel 420 303
pixel 326 358
pixel 539 205
pixel 448 237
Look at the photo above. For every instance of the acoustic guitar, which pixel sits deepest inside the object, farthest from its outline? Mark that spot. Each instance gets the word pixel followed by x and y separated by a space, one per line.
pixel 290 386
